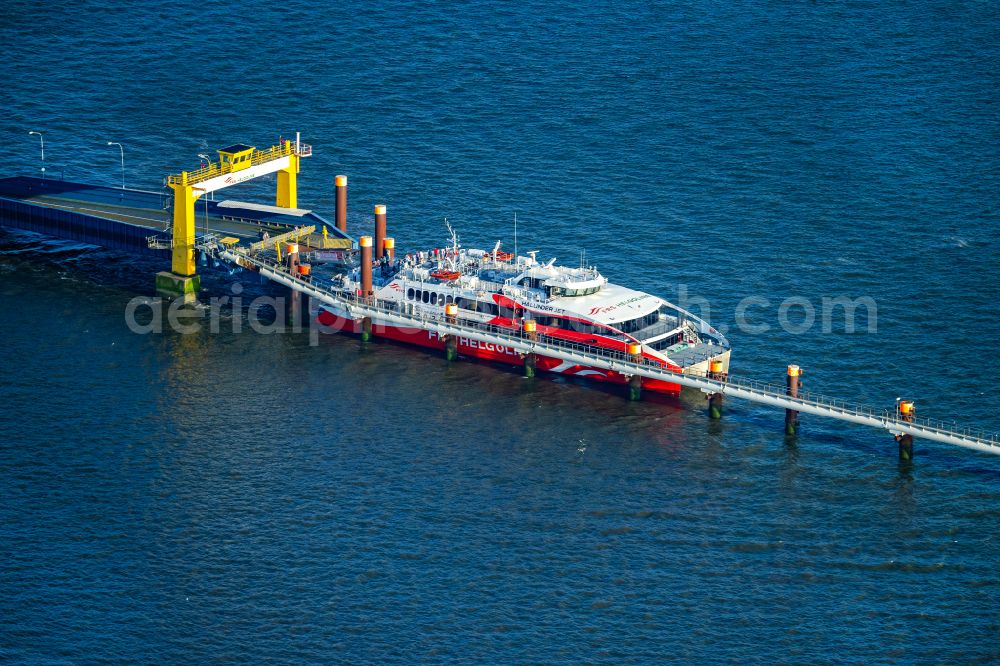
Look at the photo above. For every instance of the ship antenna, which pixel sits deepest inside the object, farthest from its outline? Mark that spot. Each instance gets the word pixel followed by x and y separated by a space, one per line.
pixel 454 236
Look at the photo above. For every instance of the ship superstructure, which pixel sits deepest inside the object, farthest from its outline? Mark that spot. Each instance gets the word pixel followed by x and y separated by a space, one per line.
pixel 495 288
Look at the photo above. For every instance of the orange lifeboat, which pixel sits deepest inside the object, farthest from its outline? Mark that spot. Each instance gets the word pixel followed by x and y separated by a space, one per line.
pixel 504 256
pixel 447 276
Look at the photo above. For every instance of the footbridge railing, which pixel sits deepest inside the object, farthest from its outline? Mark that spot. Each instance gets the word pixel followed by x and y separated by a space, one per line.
pixel 619 361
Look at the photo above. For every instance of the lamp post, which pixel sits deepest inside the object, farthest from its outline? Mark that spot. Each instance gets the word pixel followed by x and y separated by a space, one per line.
pixel 122 151
pixel 208 163
pixel 42 139
pixel 205 197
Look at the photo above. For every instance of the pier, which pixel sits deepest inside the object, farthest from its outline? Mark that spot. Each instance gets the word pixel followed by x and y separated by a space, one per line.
pixel 249 236
pixel 899 424
pixel 171 223
pixel 125 220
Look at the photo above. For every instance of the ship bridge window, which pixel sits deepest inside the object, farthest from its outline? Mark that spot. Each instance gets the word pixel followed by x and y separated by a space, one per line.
pixel 567 291
pixel 426 297
pixel 434 298
pixel 532 283
pixel 633 325
pixel 409 294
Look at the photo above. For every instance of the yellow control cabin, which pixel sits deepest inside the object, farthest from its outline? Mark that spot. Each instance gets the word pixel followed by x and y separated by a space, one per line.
pixel 236 157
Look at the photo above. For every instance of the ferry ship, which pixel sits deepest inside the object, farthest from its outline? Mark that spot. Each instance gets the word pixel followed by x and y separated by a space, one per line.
pixel 496 288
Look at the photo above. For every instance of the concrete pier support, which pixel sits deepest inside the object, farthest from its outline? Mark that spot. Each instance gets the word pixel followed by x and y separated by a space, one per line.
pixel 792 390
pixel 715 406
pixel 634 351
pixel 530 362
pixel 295 310
pixel 172 286
pixel 451 341
pixel 906 410
pixel 905 442
pixel 715 399
pixel 529 329
pixel 635 387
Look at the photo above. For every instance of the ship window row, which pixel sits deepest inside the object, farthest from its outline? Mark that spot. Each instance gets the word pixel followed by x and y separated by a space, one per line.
pixel 590 329
pixel 668 341
pixel 434 298
pixel 633 325
pixel 564 291
pixel 531 283
pixel 567 324
pixel 431 297
pixel 478 306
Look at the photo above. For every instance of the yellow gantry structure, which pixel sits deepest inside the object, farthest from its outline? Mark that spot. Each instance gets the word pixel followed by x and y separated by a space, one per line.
pixel 237 164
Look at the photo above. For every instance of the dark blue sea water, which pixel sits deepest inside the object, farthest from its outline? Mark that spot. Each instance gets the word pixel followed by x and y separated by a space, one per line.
pixel 228 498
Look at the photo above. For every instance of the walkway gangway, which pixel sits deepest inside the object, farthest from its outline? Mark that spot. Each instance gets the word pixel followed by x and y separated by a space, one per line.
pixel 736 387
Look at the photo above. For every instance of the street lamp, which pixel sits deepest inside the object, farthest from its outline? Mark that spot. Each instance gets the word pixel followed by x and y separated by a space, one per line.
pixel 208 163
pixel 122 151
pixel 42 139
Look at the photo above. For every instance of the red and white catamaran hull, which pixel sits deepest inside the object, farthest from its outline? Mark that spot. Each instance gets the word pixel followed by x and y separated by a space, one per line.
pixel 487 351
